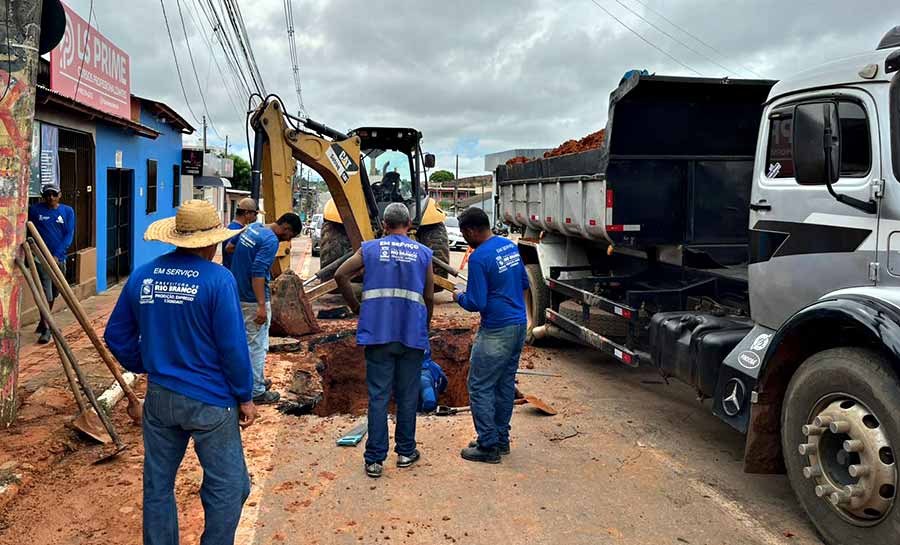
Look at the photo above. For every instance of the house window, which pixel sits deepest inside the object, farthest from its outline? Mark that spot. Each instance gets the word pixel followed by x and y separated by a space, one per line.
pixel 151 186
pixel 176 186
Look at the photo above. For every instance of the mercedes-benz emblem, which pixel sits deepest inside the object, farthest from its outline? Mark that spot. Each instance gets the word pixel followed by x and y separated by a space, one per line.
pixel 735 393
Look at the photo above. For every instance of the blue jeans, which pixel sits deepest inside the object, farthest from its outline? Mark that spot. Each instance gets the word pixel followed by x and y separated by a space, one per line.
pixel 492 381
pixel 258 341
pixel 170 420
pixel 392 366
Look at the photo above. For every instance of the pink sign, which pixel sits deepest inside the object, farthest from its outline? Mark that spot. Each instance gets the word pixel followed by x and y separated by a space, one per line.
pixel 87 63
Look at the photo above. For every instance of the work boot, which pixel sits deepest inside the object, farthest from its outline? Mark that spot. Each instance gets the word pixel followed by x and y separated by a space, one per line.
pixel 479 454
pixel 406 461
pixel 268 384
pixel 374 470
pixel 267 398
pixel 45 337
pixel 503 448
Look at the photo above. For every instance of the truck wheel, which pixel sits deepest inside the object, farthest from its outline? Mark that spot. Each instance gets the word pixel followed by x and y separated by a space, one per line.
pixel 537 299
pixel 435 237
pixel 839 423
pixel 334 243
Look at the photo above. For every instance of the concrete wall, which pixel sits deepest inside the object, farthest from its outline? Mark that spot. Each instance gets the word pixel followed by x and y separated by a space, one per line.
pixel 166 151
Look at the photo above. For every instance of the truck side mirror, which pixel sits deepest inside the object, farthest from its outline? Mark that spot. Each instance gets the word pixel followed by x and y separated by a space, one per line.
pixel 429 160
pixel 816 146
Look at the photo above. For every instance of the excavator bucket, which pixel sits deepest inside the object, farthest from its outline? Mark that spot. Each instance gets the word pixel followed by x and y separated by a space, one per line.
pixel 292 314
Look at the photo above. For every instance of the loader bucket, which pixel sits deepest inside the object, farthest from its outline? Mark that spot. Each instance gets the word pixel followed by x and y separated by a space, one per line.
pixel 292 314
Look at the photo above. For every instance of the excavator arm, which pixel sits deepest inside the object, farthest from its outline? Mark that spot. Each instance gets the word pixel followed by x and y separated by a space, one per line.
pixel 336 159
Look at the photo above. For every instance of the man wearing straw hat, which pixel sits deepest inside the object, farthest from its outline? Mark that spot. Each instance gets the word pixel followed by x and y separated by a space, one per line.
pixel 179 321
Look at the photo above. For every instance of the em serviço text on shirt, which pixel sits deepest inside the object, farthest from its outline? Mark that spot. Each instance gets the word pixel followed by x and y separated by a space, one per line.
pixel 496 284
pixel 179 320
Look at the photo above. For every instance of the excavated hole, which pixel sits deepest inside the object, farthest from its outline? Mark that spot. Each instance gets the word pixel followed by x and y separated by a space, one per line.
pixel 342 369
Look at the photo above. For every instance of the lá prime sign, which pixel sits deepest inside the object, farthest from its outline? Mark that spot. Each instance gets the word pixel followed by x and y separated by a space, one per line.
pixel 87 63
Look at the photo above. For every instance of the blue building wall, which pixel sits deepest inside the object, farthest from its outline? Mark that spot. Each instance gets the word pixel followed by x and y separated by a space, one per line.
pixel 136 150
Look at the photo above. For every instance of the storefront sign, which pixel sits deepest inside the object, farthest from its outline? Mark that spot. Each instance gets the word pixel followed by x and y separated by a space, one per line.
pixel 191 162
pixel 49 155
pixel 87 63
pixel 221 167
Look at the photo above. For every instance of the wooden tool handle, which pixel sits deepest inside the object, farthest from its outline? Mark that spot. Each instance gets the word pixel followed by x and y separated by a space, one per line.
pixel 60 281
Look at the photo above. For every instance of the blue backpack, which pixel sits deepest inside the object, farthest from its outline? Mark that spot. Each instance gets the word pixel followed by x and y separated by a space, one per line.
pixel 432 383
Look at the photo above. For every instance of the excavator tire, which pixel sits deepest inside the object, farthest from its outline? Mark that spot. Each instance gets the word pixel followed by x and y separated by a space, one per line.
pixel 435 237
pixel 334 243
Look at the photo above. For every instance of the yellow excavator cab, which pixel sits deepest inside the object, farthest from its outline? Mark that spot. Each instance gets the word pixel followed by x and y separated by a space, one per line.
pixel 433 213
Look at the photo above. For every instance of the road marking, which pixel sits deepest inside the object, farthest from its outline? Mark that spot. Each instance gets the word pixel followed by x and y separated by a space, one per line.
pixel 729 506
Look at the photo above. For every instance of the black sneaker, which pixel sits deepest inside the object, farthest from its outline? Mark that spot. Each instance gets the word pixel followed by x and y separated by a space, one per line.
pixel 478 454
pixel 406 461
pixel 374 470
pixel 268 384
pixel 45 337
pixel 501 447
pixel 267 398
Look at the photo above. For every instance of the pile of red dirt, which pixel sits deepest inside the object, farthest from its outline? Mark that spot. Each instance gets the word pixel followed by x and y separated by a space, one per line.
pixel 589 142
pixel 343 371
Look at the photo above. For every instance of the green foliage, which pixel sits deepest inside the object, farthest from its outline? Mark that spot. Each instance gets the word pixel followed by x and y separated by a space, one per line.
pixel 441 176
pixel 241 178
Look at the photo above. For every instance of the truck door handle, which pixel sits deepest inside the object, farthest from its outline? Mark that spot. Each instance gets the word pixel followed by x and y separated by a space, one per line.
pixel 761 205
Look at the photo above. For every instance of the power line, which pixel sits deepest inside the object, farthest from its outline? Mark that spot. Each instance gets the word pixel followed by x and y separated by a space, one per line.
pixel 187 42
pixel 243 29
pixel 645 40
pixel 686 46
pixel 222 37
pixel 292 47
pixel 177 67
pixel 694 36
pixel 197 22
pixel 86 40
pixel 229 7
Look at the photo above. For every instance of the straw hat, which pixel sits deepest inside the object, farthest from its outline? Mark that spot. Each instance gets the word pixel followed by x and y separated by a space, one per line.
pixel 195 225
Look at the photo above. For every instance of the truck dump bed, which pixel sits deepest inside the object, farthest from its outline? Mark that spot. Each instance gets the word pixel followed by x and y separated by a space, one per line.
pixel 675 168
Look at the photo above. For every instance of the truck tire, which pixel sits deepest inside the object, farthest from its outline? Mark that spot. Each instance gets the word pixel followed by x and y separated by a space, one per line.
pixel 839 395
pixel 435 237
pixel 334 243
pixel 537 300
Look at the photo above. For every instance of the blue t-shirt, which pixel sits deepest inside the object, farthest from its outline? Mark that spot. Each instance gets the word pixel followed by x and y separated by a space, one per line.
pixel 56 226
pixel 496 284
pixel 226 257
pixel 178 320
pixel 253 256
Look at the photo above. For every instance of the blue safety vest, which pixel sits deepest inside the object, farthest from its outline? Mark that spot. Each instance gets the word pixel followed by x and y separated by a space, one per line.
pixel 393 308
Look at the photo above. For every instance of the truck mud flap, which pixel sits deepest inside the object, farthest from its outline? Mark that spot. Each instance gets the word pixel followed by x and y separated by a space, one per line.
pixel 631 358
pixel 738 378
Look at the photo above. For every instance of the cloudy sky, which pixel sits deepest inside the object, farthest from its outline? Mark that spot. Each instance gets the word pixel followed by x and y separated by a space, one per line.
pixel 478 76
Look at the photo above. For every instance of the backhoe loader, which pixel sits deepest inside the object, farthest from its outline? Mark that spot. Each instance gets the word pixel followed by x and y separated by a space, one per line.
pixel 365 170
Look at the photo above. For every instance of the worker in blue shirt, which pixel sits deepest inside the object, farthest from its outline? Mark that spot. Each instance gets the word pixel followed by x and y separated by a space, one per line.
pixel 496 288
pixel 247 212
pixel 56 224
pixel 251 266
pixel 394 317
pixel 178 320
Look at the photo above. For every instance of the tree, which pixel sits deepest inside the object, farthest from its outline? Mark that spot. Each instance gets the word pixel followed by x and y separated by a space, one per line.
pixel 241 178
pixel 441 176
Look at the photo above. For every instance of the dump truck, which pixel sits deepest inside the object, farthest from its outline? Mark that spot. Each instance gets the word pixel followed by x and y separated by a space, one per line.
pixel 742 236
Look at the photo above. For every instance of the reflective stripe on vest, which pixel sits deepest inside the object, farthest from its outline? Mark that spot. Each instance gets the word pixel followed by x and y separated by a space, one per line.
pixel 393 292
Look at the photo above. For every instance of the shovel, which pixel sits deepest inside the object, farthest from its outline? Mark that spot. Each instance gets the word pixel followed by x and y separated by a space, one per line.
pixel 539 404
pixel 87 421
pixel 443 410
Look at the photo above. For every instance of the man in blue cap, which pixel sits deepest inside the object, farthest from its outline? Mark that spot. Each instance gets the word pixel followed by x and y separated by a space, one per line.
pixel 56 224
pixel 394 317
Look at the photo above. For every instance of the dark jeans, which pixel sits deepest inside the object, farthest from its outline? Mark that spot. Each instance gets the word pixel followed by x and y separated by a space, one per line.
pixel 392 366
pixel 492 381
pixel 47 285
pixel 170 420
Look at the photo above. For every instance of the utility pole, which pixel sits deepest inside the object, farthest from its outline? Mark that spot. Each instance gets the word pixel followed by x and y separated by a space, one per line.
pixel 226 146
pixel 456 188
pixel 204 135
pixel 17 85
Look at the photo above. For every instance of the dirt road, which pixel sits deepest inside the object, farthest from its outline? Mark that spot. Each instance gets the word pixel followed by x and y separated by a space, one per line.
pixel 628 460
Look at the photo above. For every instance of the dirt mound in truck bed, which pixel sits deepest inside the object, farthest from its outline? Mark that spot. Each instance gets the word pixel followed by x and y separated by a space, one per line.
pixel 589 142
